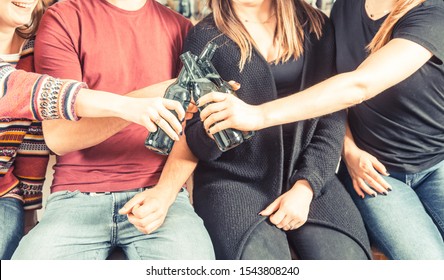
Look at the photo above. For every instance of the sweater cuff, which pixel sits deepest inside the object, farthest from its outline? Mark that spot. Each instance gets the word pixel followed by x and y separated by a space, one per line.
pixel 55 98
pixel 316 183
pixel 32 196
pixel 5 70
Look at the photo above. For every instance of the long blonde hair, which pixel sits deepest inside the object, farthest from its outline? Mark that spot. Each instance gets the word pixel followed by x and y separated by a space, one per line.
pixel 289 33
pixel 29 30
pixel 384 34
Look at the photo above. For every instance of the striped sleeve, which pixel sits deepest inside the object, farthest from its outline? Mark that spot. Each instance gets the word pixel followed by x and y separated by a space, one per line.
pixel 34 96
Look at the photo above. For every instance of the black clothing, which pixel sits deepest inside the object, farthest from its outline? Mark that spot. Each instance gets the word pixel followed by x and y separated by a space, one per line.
pixel 402 127
pixel 231 188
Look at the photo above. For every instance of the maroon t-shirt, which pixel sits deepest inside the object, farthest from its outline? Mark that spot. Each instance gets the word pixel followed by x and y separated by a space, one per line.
pixel 118 51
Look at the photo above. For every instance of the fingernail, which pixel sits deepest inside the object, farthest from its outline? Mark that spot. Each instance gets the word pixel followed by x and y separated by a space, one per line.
pixel 181 133
pixel 182 120
pixel 384 193
pixel 389 189
pixel 259 214
pixel 208 131
pixel 197 103
pixel 362 197
pixel 374 194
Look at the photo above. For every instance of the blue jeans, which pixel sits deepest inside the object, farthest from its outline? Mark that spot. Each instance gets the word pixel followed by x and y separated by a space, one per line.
pixel 12 218
pixel 408 223
pixel 76 225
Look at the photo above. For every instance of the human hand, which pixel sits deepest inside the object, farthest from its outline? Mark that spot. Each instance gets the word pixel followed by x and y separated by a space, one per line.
pixel 290 210
pixel 363 169
pixel 228 111
pixel 147 210
pixel 154 112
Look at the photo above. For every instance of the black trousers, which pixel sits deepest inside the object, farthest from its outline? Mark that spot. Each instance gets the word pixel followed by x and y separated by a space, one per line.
pixel 309 242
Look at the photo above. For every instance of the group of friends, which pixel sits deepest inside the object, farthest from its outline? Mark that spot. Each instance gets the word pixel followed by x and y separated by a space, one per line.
pixel 348 114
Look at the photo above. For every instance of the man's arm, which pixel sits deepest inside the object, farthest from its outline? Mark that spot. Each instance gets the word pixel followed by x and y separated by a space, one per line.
pixel 147 210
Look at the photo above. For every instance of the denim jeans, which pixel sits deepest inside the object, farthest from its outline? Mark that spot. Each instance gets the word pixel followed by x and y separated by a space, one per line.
pixel 408 223
pixel 11 225
pixel 76 225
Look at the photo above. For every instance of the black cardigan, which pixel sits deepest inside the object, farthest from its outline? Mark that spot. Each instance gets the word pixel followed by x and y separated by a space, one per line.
pixel 231 188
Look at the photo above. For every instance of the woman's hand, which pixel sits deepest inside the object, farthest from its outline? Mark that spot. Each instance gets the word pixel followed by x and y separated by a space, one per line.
pixel 154 112
pixel 227 111
pixel 363 169
pixel 290 210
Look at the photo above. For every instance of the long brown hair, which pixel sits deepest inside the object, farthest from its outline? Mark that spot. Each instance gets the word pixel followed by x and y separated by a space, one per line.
pixel 384 34
pixel 29 30
pixel 289 33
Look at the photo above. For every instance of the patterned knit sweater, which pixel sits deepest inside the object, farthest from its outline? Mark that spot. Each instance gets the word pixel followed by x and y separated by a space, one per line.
pixel 230 188
pixel 23 97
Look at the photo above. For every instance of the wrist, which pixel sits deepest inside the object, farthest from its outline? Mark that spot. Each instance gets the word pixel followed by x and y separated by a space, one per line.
pixel 303 186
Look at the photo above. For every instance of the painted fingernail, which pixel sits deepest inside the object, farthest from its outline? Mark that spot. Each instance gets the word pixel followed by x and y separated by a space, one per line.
pixel 197 103
pixel 181 133
pixel 389 189
pixel 384 193
pixel 208 131
pixel 183 120
pixel 374 194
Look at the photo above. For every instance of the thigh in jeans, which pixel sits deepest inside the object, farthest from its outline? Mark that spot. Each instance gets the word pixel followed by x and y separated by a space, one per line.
pixel 11 225
pixel 182 236
pixel 430 191
pixel 398 223
pixel 74 226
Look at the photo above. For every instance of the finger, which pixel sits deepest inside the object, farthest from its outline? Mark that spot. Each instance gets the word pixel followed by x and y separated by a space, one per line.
pixel 277 218
pixel 298 225
pixel 176 106
pixel 377 182
pixel 128 207
pixel 145 220
pixel 192 108
pixel 165 126
pixel 285 221
pixel 211 97
pixel 215 118
pixel 366 188
pixel 273 207
pixel 144 210
pixel 379 166
pixel 234 85
pixel 222 125
pixel 153 226
pixel 358 189
pixel 171 121
pixel 211 109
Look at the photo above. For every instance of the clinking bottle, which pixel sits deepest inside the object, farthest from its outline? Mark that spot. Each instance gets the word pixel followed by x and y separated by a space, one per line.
pixel 159 141
pixel 211 73
pixel 198 86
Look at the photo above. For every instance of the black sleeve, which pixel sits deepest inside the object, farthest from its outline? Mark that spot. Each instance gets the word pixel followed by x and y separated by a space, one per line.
pixel 424 25
pixel 318 161
pixel 202 146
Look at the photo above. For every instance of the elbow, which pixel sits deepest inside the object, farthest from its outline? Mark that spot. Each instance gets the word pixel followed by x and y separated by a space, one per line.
pixel 360 90
pixel 54 146
pixel 53 139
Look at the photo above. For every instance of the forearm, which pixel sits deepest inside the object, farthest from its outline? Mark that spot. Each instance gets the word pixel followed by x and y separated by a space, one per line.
pixel 390 65
pixel 339 92
pixel 178 168
pixel 349 142
pixel 104 110
pixel 63 136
